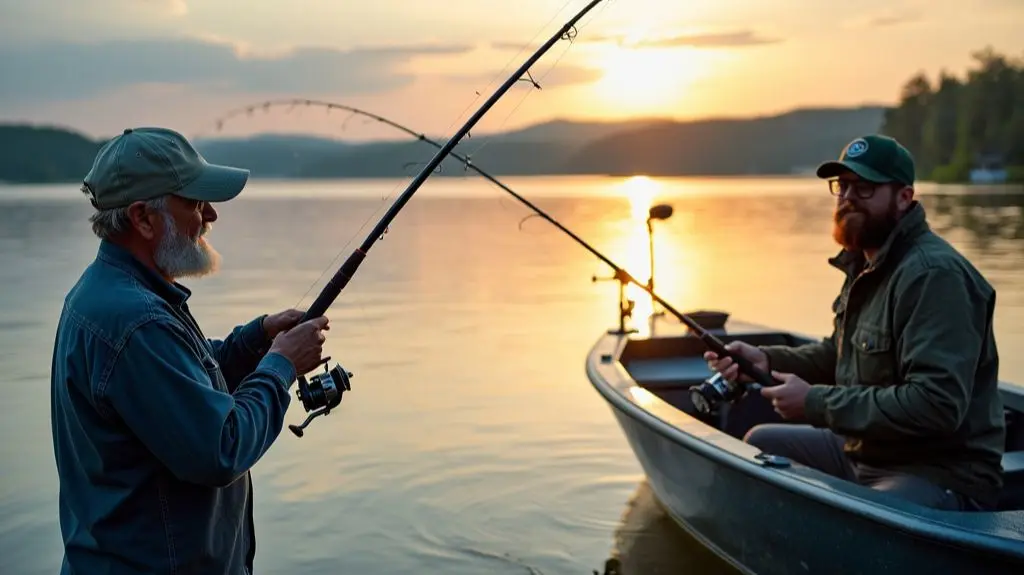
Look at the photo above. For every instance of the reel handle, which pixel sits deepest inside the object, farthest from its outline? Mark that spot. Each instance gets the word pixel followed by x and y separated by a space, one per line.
pixel 298 430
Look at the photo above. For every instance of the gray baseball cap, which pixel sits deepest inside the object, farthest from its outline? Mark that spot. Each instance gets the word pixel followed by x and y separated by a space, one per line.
pixel 145 163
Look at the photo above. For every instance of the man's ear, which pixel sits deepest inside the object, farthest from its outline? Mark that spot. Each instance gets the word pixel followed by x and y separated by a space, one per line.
pixel 904 197
pixel 143 220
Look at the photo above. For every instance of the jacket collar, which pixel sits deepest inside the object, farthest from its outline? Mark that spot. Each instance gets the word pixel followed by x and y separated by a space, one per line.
pixel 911 225
pixel 117 256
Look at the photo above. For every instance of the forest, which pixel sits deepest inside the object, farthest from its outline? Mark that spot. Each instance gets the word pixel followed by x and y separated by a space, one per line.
pixel 958 123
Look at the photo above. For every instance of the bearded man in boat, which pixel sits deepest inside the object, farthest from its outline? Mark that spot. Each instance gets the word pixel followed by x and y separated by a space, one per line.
pixel 902 397
pixel 155 427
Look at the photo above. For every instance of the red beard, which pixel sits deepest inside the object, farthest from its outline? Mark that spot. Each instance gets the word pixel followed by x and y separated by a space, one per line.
pixel 856 229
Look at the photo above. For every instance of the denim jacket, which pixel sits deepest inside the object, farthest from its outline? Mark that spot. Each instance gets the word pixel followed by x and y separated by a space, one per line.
pixel 155 427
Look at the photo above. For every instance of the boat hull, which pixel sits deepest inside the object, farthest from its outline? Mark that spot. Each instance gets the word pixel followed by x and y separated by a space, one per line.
pixel 761 528
pixel 770 516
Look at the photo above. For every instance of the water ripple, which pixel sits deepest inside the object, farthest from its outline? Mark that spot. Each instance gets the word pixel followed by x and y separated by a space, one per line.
pixel 472 441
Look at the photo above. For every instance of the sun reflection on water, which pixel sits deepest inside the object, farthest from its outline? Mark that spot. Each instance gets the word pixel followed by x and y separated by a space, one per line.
pixel 641 192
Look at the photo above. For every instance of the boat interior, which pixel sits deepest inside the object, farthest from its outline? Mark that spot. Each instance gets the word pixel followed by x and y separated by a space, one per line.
pixel 668 361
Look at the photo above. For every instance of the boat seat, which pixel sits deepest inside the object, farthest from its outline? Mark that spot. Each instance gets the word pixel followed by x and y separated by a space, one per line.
pixel 1013 481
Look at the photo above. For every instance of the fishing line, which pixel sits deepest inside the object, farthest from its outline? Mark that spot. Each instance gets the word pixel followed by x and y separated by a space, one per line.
pixel 761 378
pixel 502 72
pixel 438 168
pixel 292 106
pixel 536 84
pixel 569 36
pixel 352 237
pixel 369 117
pixel 324 391
pixel 529 78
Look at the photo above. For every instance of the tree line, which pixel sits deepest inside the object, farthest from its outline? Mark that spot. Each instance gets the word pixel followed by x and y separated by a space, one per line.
pixel 956 124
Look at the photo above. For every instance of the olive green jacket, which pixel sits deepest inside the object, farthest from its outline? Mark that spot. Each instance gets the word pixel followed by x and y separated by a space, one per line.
pixel 909 375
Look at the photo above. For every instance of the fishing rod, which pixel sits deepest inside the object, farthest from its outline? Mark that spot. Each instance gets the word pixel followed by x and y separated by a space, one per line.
pixel 714 390
pixel 324 391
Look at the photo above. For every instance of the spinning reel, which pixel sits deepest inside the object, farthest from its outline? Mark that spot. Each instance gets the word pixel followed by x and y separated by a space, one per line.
pixel 322 393
pixel 717 390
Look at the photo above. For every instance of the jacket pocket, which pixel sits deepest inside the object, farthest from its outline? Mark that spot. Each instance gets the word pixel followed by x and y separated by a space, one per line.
pixel 873 360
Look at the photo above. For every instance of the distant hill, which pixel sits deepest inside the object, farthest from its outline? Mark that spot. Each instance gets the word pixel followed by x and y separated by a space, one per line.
pixel 568 131
pixel 780 144
pixel 271 155
pixel 770 145
pixel 30 154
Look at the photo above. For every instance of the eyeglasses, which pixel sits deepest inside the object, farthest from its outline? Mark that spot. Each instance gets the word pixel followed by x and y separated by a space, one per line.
pixel 861 189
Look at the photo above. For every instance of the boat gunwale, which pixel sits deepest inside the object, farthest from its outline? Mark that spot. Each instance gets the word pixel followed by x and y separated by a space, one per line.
pixel 935 525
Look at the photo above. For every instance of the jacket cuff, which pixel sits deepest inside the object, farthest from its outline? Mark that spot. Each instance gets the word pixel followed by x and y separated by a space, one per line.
pixel 781 358
pixel 280 367
pixel 255 337
pixel 814 406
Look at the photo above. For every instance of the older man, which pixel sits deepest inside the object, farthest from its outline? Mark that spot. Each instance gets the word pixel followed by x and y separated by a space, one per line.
pixel 904 396
pixel 155 427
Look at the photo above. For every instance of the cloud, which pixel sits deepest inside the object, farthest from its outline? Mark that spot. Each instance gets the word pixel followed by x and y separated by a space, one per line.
pixel 886 19
pixel 562 75
pixel 511 46
pixel 734 39
pixel 66 71
pixel 173 7
pixel 712 40
pixel 39 21
pixel 883 21
pixel 900 13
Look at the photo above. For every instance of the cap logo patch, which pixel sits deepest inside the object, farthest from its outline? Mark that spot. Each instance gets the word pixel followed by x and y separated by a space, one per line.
pixel 856 148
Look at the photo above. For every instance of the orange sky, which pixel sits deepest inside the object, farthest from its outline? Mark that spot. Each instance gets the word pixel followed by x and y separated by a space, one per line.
pixel 183 63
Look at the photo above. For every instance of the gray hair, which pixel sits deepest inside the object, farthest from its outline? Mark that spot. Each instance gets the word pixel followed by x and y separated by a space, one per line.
pixel 110 222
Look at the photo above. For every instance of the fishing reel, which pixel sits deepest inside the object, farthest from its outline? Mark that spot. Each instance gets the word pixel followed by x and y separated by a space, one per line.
pixel 717 390
pixel 321 393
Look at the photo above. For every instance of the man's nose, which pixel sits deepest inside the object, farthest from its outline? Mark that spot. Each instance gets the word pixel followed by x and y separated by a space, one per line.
pixel 209 213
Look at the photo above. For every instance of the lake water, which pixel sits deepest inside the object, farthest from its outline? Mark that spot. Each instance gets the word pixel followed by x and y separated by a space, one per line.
pixel 472 441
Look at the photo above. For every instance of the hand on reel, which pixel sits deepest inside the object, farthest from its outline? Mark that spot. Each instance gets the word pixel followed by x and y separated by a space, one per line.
pixel 321 393
pixel 751 376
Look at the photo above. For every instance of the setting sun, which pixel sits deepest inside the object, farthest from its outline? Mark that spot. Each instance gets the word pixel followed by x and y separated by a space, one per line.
pixel 646 80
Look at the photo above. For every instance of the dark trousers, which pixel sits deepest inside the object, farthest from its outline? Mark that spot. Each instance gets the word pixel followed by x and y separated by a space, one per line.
pixel 823 450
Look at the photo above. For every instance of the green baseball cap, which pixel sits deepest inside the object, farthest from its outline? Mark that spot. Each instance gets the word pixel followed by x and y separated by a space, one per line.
pixel 875 158
pixel 145 163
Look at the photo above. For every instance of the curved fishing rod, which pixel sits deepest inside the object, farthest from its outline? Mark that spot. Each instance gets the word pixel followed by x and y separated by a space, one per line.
pixel 760 377
pixel 324 391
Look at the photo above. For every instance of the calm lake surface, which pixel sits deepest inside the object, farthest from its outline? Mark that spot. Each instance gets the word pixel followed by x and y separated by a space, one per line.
pixel 472 441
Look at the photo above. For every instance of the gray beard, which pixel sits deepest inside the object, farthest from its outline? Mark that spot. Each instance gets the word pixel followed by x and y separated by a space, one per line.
pixel 179 256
